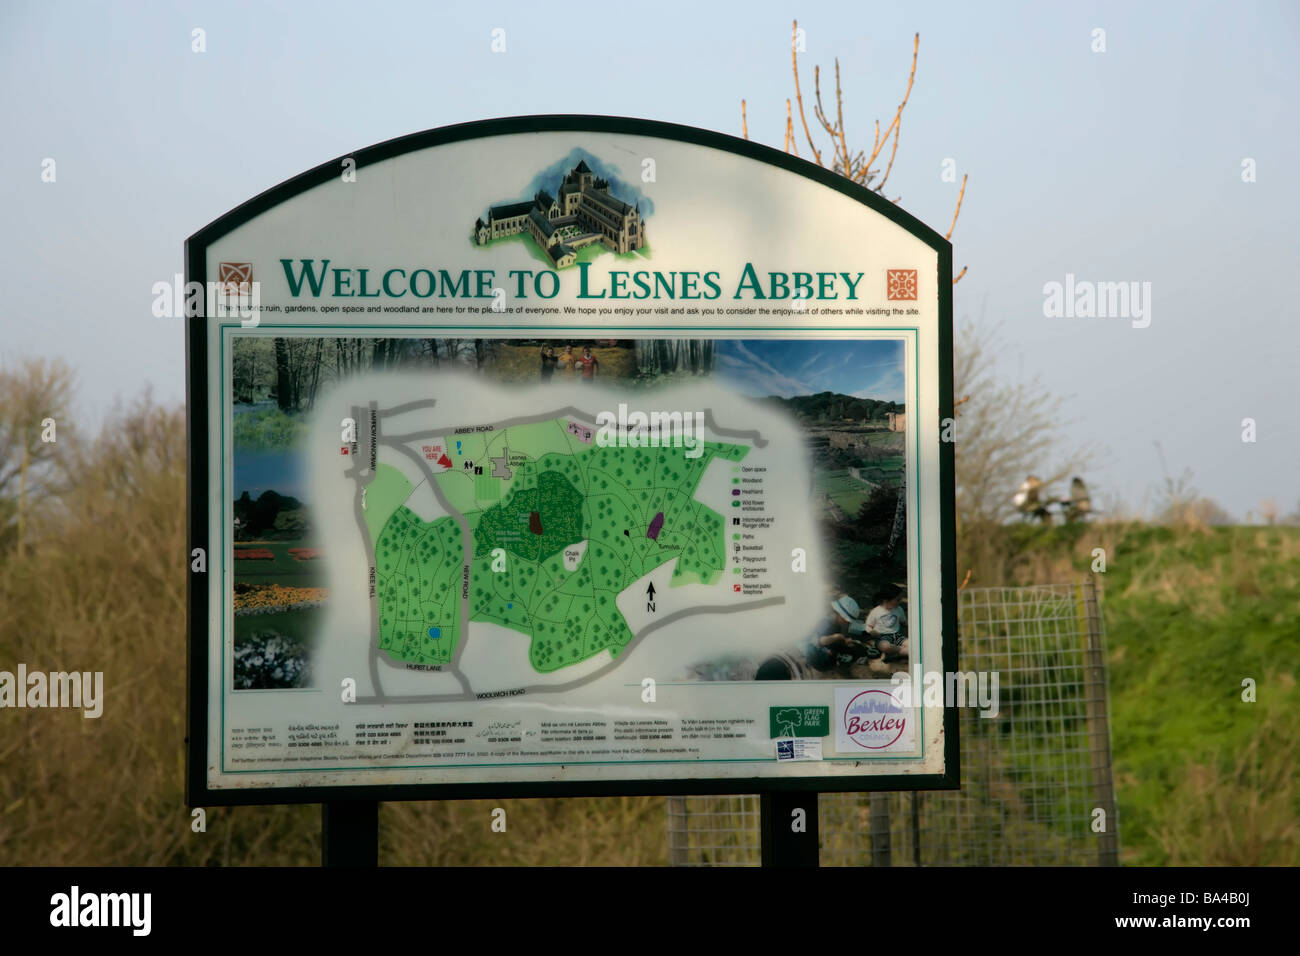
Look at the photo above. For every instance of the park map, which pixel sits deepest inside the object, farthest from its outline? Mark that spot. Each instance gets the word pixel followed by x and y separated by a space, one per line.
pixel 542 527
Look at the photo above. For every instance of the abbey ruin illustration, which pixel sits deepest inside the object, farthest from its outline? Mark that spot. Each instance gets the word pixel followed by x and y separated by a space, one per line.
pixel 585 213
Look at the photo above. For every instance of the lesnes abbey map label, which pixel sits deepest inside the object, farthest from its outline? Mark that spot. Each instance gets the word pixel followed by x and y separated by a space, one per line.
pixel 568 455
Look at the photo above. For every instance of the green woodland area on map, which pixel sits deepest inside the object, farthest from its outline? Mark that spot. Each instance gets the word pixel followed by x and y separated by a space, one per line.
pixel 560 492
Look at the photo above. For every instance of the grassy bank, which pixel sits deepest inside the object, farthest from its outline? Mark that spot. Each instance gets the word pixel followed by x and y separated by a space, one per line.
pixel 1203 777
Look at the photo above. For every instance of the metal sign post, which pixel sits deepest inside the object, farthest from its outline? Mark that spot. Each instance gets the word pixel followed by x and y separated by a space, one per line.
pixel 788 828
pixel 349 834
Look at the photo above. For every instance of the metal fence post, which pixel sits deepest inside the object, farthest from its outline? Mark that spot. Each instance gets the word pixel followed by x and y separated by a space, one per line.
pixel 916 828
pixel 1100 766
pixel 880 849
pixel 678 838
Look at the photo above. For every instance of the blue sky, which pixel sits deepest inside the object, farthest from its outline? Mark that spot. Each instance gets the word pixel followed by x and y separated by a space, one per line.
pixel 1123 165
pixel 762 367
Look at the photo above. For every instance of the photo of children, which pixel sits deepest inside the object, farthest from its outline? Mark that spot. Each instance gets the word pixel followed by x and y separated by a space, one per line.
pixel 564 364
pixel 586 365
pixel 843 644
pixel 886 624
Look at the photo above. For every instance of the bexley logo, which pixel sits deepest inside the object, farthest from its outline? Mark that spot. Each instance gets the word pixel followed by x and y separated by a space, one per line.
pixel 870 720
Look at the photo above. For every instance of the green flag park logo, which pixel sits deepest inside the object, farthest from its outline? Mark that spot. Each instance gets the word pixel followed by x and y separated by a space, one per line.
pixel 799 721
pixel 574 220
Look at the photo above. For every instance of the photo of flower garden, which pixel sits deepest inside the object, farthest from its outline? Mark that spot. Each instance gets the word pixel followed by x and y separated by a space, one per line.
pixel 279 589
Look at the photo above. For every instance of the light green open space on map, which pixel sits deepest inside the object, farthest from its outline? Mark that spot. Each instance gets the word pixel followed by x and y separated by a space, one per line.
pixel 544 438
pixel 384 495
pixel 473 446
pixel 459 489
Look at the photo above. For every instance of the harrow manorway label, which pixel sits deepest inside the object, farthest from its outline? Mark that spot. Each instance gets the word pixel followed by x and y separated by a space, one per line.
pixel 555 461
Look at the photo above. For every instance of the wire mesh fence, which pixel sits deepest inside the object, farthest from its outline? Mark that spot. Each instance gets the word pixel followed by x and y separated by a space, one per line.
pixel 1037 786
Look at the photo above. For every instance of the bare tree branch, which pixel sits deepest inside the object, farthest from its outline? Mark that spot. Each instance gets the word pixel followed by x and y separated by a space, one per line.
pixel 957 212
pixel 794 59
pixel 898 114
pixel 1006 432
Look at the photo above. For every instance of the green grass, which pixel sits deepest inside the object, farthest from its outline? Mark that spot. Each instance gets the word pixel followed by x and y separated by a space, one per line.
pixel 588 253
pixel 882 439
pixel 597 249
pixel 846 491
pixel 1202 776
pixel 1191 616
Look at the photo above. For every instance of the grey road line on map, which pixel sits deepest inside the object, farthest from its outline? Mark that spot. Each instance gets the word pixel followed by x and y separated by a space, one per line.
pixel 355 472
pixel 753 434
pixel 495 426
pixel 408 407
pixel 415 436
pixel 570 685
pixel 415 699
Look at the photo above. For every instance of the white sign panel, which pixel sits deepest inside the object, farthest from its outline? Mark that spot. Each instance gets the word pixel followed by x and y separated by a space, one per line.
pixel 567 455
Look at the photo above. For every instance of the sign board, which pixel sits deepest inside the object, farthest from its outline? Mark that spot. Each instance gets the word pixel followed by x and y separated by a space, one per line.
pixel 567 455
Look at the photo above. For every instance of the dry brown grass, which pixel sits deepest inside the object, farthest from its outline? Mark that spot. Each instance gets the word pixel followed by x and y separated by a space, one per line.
pixel 103 589
pixel 628 831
